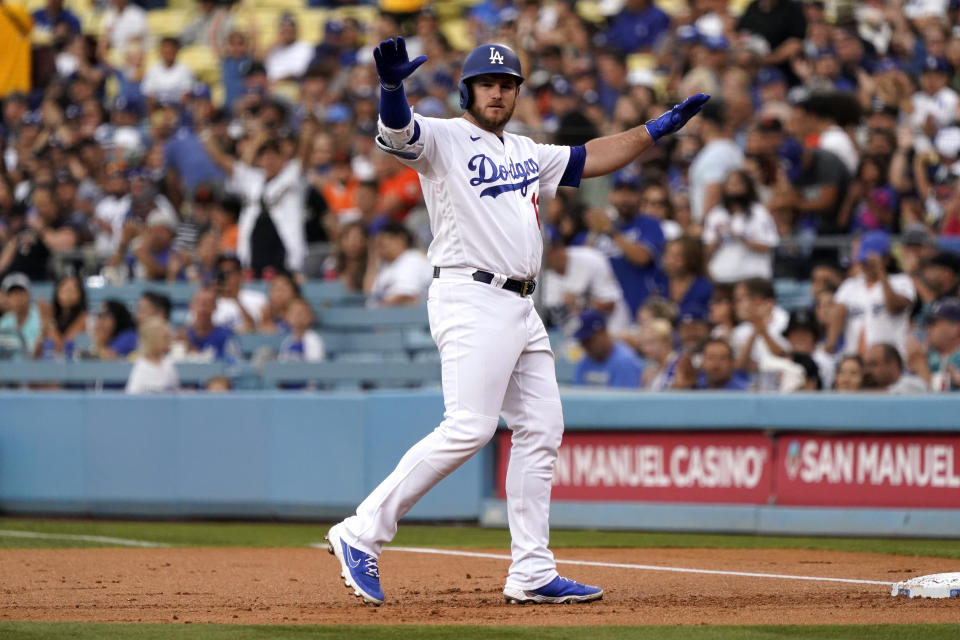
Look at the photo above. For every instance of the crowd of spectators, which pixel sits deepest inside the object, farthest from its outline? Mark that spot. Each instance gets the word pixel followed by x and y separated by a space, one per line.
pixel 829 154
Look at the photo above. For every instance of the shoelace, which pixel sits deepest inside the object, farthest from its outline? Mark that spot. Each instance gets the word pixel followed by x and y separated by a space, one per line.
pixel 372 570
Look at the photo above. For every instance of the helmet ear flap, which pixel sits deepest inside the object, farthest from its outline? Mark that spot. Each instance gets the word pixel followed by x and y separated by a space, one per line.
pixel 464 95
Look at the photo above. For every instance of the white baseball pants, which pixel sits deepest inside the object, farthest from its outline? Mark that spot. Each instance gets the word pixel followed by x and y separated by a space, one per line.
pixel 496 359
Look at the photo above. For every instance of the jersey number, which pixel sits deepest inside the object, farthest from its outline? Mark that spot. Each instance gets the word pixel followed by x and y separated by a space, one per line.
pixel 535 200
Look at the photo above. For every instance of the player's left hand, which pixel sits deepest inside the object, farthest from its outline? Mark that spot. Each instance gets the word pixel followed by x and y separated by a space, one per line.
pixel 674 119
pixel 393 63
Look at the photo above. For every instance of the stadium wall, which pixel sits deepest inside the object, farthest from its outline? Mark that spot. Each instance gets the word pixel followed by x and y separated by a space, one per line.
pixel 824 464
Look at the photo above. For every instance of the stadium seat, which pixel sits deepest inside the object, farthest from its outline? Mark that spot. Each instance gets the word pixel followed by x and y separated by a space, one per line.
pixel 361 319
pixel 385 374
pixel 96 373
pixel 202 60
pixel 949 243
pixel 793 294
pixel 166 22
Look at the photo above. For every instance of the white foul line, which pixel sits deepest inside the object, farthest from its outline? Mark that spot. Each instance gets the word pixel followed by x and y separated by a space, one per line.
pixel 125 542
pixel 641 567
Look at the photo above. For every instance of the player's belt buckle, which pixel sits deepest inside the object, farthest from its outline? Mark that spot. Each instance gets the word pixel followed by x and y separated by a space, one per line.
pixel 526 289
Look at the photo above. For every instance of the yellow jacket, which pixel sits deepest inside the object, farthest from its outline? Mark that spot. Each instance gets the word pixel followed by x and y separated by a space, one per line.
pixel 15 27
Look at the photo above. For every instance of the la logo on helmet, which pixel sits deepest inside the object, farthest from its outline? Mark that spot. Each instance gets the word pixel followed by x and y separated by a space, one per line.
pixel 495 56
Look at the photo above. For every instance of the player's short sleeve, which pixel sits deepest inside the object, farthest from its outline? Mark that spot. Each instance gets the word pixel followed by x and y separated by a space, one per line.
pixel 554 161
pixel 420 145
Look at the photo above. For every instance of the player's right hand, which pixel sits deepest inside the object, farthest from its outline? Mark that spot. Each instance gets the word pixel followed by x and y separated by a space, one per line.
pixel 393 64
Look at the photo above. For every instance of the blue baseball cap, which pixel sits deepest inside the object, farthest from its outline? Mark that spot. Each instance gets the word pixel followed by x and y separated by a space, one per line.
pixel 589 322
pixel 716 43
pixel 688 34
pixel 560 86
pixel 948 309
pixel 887 65
pixel 693 313
pixel 336 113
pixel 200 90
pixel 936 64
pixel 770 75
pixel 873 242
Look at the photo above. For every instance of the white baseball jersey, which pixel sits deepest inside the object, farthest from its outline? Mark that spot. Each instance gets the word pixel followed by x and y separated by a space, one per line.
pixel 868 316
pixel 482 191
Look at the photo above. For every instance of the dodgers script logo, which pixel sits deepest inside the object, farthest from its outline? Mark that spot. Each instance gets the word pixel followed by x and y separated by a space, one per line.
pixel 495 56
pixel 489 172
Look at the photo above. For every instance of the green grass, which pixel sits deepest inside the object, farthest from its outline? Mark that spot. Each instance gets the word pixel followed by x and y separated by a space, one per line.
pixel 242 534
pixel 85 631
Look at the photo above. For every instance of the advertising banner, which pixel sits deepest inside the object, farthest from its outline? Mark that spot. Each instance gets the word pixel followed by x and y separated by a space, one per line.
pixel 704 467
pixel 868 471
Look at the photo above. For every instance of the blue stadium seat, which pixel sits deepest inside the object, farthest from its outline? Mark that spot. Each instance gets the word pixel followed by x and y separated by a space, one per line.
pixel 339 374
pixel 793 294
pixel 950 243
pixel 96 373
pixel 362 319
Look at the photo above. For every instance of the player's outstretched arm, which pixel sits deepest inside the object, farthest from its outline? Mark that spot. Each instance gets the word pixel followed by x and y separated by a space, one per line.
pixel 393 66
pixel 606 155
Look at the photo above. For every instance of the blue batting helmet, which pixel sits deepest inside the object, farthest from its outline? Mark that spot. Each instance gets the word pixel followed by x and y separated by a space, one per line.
pixel 488 58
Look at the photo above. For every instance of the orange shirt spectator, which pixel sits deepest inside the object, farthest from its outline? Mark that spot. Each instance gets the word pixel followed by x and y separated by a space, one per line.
pixel 399 193
pixel 340 188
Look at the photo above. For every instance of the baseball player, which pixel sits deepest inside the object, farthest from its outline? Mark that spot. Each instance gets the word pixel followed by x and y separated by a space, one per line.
pixel 483 188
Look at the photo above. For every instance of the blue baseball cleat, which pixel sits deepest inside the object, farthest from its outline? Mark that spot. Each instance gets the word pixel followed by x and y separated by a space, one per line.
pixel 359 570
pixel 560 590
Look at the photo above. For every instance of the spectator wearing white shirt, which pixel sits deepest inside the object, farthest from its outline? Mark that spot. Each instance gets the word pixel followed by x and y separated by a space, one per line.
pixel 401 274
pixel 111 211
pixel 874 305
pixel 302 343
pixel 271 234
pixel 578 278
pixel 167 80
pixel 718 157
pixel 739 233
pixel 123 22
pixel 813 118
pixel 154 371
pixel 289 57
pixel 935 105
pixel 759 336
pixel 238 308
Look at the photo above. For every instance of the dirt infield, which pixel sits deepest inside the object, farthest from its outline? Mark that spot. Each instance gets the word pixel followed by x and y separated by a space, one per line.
pixel 300 586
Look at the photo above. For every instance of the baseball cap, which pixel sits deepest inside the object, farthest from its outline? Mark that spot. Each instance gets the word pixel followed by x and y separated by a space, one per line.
pixel 916 235
pixel 200 90
pixel 873 242
pixel 560 86
pixel 803 319
pixel 947 142
pixel 687 34
pixel 126 103
pixel 887 65
pixel 16 280
pixel 948 309
pixel 716 43
pixel 337 113
pixel 588 323
pixel 770 75
pixel 823 52
pixel 693 313
pixel 935 64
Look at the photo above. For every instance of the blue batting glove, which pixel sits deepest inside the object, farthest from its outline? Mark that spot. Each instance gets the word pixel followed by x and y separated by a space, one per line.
pixel 674 119
pixel 393 64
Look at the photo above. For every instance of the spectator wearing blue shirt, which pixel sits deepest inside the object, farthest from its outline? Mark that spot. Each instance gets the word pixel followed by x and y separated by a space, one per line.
pixel 235 62
pixel 46 20
pixel 716 370
pixel 114 332
pixel 183 151
pixel 205 340
pixel 608 363
pixel 640 25
pixel 633 244
pixel 683 267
